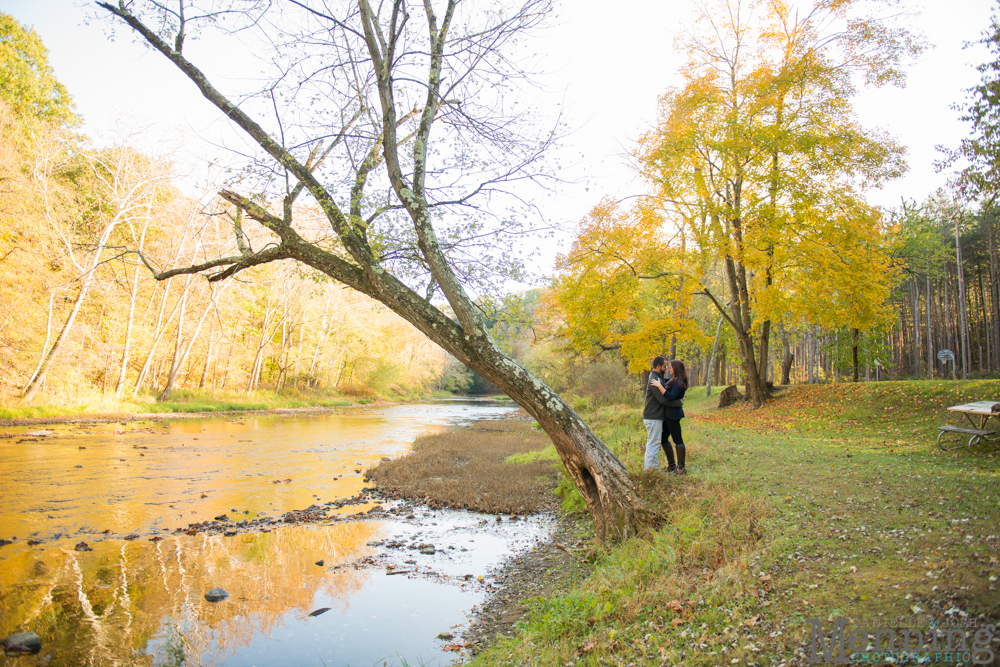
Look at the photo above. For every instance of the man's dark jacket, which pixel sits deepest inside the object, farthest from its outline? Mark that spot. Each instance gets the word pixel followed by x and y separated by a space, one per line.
pixel 656 403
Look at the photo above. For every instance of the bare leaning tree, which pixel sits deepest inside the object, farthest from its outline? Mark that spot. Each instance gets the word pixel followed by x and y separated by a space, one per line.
pixel 399 124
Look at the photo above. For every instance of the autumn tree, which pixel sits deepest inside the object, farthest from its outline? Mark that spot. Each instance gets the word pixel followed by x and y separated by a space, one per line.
pixel 27 82
pixel 759 163
pixel 113 188
pixel 622 286
pixel 397 121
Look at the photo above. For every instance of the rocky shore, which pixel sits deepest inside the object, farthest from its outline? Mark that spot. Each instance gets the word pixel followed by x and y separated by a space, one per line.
pixel 542 572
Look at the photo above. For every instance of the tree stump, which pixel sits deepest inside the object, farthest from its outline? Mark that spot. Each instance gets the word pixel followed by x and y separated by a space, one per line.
pixel 729 396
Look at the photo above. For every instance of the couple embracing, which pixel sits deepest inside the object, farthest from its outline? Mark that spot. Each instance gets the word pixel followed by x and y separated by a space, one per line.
pixel 663 413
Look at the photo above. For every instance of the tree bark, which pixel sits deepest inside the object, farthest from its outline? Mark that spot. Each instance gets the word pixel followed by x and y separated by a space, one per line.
pixel 854 352
pixel 994 286
pixel 930 341
pixel 130 321
pixel 208 357
pixel 987 332
pixel 178 363
pixel 787 357
pixel 961 304
pixel 711 362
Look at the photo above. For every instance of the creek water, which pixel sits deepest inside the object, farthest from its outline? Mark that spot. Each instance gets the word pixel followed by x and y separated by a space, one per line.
pixel 133 592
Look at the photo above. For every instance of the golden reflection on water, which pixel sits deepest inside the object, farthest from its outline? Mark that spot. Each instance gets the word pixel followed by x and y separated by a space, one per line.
pixel 146 476
pixel 106 606
pixel 141 603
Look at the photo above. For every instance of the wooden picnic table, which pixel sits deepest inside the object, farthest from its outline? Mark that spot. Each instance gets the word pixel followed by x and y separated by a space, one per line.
pixel 981 409
pixel 978 413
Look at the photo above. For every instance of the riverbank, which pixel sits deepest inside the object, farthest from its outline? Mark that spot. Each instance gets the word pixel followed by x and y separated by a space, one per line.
pixel 830 503
pixel 99 418
pixel 499 467
pixel 202 408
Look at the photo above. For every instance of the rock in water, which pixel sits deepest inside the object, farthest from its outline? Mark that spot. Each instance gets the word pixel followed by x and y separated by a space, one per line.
pixel 446 636
pixel 216 595
pixel 319 611
pixel 21 643
pixel 729 396
pixel 427 549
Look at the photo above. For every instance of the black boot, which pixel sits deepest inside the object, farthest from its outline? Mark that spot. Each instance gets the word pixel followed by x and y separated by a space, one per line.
pixel 669 451
pixel 681 454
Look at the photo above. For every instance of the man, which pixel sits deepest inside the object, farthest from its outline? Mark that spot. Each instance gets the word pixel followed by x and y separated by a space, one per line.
pixel 653 414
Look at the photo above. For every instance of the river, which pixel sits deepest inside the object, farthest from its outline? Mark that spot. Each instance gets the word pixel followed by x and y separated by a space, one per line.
pixel 95 566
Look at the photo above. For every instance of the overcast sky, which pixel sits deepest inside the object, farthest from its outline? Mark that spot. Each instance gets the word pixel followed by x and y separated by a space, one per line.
pixel 607 62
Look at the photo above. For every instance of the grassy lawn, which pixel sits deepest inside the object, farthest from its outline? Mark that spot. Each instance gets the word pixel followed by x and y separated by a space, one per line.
pixel 831 502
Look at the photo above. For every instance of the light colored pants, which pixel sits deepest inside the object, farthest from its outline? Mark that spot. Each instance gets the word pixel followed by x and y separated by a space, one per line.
pixel 654 433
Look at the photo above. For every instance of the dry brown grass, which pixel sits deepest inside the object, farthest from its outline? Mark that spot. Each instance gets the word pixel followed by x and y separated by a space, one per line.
pixel 466 469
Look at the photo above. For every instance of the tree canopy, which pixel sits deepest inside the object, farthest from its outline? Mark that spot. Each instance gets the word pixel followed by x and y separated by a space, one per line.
pixel 758 169
pixel 27 82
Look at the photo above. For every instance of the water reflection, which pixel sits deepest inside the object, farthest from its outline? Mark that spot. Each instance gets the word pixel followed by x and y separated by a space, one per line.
pixel 141 477
pixel 141 602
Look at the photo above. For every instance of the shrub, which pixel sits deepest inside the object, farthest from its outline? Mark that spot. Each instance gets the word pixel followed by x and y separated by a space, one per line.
pixel 607 383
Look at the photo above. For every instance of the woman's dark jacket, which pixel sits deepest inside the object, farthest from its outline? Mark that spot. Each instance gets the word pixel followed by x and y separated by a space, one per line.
pixel 675 392
pixel 657 403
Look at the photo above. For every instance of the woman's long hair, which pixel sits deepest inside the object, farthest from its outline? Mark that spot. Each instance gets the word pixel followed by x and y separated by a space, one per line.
pixel 680 373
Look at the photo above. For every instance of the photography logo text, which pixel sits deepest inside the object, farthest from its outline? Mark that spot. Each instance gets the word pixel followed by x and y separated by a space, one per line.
pixel 879 644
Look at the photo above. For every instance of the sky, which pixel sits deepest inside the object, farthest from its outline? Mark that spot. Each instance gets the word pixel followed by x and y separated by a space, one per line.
pixel 605 67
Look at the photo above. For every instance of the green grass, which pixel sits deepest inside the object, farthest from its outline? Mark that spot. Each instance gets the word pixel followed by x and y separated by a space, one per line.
pixel 43 411
pixel 831 502
pixel 547 454
pixel 187 401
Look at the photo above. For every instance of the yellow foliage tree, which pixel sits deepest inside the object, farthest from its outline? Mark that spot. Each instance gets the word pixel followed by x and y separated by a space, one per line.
pixel 758 167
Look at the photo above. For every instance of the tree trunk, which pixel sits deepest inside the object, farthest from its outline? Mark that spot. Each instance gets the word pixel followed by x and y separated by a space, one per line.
pixel 158 333
pixel 48 337
pixel 811 347
pixel 85 282
pixel 178 363
pixel 961 304
pixel 930 341
pixel 133 297
pixel 711 362
pixel 989 334
pixel 994 289
pixel 947 314
pixel 854 352
pixel 208 357
pixel 787 358
pixel 915 315
pixel 175 358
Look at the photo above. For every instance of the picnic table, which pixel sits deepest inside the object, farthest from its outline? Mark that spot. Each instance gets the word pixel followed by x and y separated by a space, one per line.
pixel 978 413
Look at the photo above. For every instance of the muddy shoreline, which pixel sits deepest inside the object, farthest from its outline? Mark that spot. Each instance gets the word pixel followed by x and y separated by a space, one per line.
pixel 542 572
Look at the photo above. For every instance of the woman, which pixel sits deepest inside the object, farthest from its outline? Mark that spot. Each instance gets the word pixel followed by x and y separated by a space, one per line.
pixel 674 391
